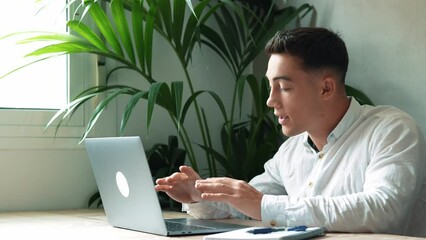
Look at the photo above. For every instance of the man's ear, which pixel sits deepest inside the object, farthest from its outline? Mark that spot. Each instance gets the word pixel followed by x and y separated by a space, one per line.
pixel 328 87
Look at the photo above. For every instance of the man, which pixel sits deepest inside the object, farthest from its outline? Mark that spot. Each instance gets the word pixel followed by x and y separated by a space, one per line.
pixel 345 167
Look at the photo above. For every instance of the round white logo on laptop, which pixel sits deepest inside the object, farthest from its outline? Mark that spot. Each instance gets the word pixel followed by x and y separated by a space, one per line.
pixel 122 184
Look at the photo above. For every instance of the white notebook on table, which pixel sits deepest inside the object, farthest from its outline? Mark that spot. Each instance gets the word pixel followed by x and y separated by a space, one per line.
pixel 247 233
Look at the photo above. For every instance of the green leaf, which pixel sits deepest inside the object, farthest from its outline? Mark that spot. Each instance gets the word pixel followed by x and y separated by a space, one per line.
pixel 158 93
pixel 210 161
pixel 83 97
pixel 229 25
pixel 149 32
pixel 218 157
pixel 193 97
pixel 188 104
pixel 99 110
pixel 87 33
pixel 30 63
pixel 130 107
pixel 69 44
pixel 284 17
pixel 104 25
pixel 190 30
pixel 138 31
pixel 177 92
pixel 68 111
pixel 165 10
pixel 216 43
pixel 264 95
pixel 94 198
pixel 80 99
pixel 231 40
pixel 358 95
pixel 67 47
pixel 179 8
pixel 191 7
pixel 255 90
pixel 123 28
pixel 51 37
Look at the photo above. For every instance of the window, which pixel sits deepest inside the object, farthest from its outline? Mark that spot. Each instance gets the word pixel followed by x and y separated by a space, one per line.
pixel 42 85
pixel 28 99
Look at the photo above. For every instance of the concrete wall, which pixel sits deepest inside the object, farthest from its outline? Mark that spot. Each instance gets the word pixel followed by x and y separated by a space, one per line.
pixel 386 40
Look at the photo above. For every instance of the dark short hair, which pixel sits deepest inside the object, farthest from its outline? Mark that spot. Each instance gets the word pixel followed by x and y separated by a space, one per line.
pixel 318 48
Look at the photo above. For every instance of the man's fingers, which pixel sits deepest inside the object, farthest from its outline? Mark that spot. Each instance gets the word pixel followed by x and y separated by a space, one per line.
pixel 213 187
pixel 175 177
pixel 216 197
pixel 161 181
pixel 188 171
pixel 223 180
pixel 163 188
pixel 218 183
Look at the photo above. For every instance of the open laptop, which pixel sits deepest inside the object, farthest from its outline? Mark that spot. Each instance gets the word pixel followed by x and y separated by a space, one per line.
pixel 127 190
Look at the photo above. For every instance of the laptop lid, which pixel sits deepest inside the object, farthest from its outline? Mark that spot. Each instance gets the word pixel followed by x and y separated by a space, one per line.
pixel 127 190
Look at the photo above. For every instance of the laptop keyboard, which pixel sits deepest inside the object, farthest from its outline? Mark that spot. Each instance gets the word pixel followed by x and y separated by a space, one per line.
pixel 180 227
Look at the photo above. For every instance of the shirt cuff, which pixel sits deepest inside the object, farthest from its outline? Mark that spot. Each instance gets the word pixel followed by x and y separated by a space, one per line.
pixel 185 207
pixel 272 210
pixel 207 210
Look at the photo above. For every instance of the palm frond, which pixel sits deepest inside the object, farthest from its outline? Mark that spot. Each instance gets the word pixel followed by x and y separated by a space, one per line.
pixel 122 27
pixel 104 25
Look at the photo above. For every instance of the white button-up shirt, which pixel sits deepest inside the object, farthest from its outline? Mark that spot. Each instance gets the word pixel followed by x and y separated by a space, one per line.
pixel 366 178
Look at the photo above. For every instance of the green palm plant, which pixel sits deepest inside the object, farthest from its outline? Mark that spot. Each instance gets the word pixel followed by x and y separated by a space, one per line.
pixel 135 53
pixel 244 29
pixel 243 33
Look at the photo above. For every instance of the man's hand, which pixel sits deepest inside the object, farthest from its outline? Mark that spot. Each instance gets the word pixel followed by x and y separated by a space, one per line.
pixel 237 193
pixel 180 186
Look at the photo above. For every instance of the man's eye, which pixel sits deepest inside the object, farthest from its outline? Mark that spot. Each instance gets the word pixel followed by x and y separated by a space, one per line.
pixel 284 89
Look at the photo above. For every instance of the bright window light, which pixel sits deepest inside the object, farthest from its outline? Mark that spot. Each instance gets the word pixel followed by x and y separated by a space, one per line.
pixel 42 85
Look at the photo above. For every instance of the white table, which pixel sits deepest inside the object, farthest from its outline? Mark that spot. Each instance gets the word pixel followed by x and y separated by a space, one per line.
pixel 92 224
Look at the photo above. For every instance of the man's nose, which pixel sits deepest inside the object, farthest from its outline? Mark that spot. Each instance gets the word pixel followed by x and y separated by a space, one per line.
pixel 270 102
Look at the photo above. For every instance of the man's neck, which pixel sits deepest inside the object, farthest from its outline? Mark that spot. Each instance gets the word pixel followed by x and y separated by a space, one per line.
pixel 335 114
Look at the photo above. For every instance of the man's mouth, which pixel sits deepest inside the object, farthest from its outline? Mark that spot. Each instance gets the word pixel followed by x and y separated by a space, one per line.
pixel 282 119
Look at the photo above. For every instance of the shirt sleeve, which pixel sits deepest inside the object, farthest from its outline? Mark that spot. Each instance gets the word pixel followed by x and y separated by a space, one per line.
pixel 267 182
pixel 392 180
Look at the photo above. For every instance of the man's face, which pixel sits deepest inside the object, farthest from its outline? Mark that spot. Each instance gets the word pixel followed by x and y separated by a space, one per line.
pixel 294 95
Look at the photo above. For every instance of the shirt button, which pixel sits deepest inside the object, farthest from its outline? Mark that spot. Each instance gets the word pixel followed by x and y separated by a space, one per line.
pixel 321 155
pixel 273 223
pixel 310 184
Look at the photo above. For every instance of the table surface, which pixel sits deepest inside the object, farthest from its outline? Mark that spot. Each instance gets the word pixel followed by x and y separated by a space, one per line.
pixel 92 224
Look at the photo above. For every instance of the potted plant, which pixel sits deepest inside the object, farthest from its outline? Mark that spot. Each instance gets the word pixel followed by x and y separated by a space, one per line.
pixel 243 29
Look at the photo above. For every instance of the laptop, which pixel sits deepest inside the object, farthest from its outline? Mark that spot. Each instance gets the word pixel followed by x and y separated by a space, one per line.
pixel 127 190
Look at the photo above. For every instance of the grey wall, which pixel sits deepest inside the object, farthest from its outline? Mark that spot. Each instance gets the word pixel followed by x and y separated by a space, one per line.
pixel 386 40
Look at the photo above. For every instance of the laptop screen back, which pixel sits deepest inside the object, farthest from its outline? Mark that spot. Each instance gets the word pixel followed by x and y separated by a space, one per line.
pixel 125 184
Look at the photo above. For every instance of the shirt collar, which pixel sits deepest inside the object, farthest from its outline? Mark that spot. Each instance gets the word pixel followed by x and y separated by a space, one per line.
pixel 351 115
pixel 345 123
